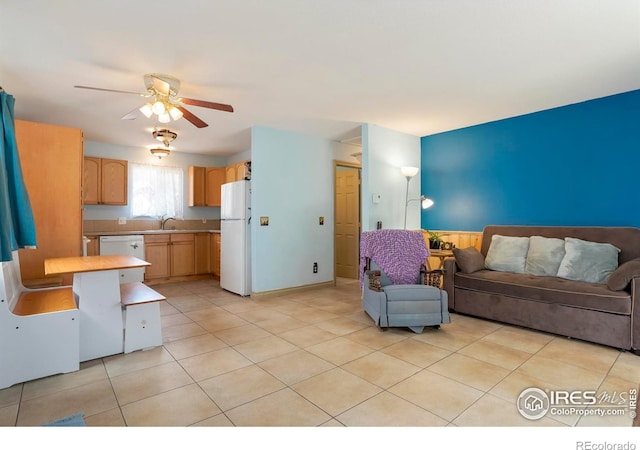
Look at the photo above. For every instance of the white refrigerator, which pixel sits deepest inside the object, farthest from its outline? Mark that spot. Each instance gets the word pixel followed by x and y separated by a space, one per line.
pixel 235 238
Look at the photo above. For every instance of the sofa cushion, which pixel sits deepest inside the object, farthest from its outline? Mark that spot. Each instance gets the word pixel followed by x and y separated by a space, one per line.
pixel 469 259
pixel 593 296
pixel 507 253
pixel 592 262
pixel 544 256
pixel 622 276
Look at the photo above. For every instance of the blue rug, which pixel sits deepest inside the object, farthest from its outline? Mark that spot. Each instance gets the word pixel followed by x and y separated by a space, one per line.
pixel 76 420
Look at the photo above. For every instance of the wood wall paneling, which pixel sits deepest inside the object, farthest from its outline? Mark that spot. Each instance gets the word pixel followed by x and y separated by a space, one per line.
pixel 461 239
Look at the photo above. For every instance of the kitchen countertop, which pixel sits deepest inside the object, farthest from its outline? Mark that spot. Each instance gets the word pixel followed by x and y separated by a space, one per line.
pixel 143 232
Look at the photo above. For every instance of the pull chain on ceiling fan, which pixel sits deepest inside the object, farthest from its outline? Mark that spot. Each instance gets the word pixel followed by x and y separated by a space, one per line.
pixel 162 92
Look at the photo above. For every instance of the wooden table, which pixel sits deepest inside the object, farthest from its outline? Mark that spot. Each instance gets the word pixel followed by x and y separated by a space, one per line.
pixel 441 254
pixel 96 285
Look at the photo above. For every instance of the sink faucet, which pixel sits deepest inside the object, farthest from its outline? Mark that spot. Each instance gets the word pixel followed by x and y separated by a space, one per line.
pixel 164 220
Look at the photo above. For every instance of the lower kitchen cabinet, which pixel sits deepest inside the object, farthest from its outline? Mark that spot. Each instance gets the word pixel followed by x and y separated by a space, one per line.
pixel 156 252
pixel 203 253
pixel 93 246
pixel 215 254
pixel 182 255
pixel 170 255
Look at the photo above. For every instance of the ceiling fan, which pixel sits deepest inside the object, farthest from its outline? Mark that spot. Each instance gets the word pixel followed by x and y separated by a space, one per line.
pixel 162 92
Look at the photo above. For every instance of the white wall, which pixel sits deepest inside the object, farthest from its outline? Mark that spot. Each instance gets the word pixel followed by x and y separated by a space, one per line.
pixel 237 157
pixel 384 151
pixel 143 156
pixel 292 184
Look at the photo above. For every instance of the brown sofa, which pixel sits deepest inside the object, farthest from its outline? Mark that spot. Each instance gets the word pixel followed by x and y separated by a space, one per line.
pixel 577 309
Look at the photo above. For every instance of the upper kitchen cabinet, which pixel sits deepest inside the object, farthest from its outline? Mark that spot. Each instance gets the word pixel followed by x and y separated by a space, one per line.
pixel 205 185
pixel 51 159
pixel 238 171
pixel 105 181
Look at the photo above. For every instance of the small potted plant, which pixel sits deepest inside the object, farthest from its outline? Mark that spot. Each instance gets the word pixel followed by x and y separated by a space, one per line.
pixel 435 239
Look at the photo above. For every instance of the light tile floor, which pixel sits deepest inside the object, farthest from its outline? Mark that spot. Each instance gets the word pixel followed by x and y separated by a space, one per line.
pixel 316 359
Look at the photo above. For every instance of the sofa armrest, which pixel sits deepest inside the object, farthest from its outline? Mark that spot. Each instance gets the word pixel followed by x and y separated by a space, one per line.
pixel 450 268
pixel 635 315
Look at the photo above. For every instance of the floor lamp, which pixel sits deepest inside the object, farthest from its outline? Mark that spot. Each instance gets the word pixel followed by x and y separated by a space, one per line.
pixel 410 172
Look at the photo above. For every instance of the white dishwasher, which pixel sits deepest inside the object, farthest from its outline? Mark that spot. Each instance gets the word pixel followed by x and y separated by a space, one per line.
pixel 132 245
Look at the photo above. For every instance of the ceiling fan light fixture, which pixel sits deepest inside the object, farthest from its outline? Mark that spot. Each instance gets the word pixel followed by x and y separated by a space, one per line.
pixel 158 108
pixel 175 113
pixel 165 136
pixel 146 110
pixel 163 101
pixel 164 117
pixel 160 152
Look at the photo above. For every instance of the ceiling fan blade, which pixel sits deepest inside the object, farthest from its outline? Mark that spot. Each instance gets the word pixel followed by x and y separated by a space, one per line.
pixel 192 117
pixel 205 104
pixel 131 115
pixel 160 85
pixel 108 90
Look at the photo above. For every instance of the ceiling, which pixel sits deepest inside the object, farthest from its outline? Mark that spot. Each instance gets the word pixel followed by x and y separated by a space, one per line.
pixel 318 67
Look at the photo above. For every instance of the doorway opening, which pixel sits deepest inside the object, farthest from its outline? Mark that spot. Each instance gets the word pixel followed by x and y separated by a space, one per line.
pixel 347 214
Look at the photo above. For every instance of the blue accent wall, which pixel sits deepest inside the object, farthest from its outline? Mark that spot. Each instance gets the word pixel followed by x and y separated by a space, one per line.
pixel 574 165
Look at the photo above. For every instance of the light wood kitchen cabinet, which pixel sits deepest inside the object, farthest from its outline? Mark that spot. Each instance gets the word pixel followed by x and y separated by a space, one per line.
pixel 204 185
pixel 230 174
pixel 105 181
pixel 51 160
pixel 237 172
pixel 215 254
pixel 93 246
pixel 196 186
pixel 203 253
pixel 182 255
pixel 170 255
pixel 156 252
pixel 215 180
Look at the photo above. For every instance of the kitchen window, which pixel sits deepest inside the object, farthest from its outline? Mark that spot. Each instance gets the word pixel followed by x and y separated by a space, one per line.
pixel 156 190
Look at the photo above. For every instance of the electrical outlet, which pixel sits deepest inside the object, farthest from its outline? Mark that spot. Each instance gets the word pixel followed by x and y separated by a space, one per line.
pixel 122 220
pixel 315 267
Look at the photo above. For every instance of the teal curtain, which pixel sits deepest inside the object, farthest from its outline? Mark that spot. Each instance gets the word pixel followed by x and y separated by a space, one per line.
pixel 17 227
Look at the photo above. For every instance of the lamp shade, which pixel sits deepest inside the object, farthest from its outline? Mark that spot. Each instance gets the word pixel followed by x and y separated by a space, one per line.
pixel 408 171
pixel 175 113
pixel 426 202
pixel 158 107
pixel 146 110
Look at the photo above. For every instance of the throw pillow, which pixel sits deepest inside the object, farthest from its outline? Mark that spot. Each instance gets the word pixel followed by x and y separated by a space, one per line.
pixel 468 259
pixel 592 262
pixel 621 277
pixel 544 256
pixel 507 253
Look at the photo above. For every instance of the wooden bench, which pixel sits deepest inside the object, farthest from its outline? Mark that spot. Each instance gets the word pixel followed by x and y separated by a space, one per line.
pixel 141 308
pixel 39 329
